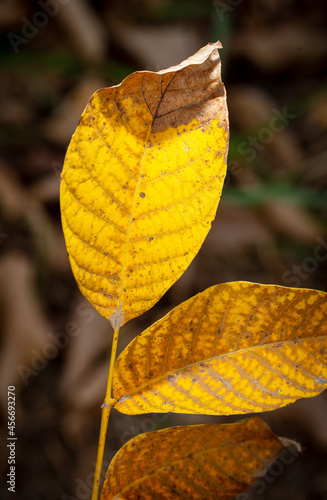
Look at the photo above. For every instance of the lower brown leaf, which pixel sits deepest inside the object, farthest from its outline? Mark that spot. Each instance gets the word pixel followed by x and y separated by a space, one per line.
pixel 199 462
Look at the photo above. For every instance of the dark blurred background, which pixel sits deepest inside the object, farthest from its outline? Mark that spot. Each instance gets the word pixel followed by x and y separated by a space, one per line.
pixel 270 227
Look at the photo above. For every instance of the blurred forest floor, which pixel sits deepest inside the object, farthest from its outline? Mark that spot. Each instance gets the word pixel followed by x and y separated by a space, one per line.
pixel 270 227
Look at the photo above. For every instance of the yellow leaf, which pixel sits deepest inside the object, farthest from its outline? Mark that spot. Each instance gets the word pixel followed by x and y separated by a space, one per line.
pixel 141 183
pixel 234 348
pixel 198 462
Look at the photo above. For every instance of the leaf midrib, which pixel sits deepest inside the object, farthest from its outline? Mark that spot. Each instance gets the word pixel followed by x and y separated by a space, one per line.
pixel 118 318
pixel 152 382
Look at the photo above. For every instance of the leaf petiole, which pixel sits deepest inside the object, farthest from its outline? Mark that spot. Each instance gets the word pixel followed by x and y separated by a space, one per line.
pixel 107 405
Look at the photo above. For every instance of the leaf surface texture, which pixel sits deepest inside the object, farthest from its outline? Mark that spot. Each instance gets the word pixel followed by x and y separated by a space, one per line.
pixel 235 348
pixel 199 462
pixel 141 183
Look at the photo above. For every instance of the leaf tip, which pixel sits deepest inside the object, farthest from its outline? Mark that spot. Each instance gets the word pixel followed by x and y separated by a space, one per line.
pixel 290 443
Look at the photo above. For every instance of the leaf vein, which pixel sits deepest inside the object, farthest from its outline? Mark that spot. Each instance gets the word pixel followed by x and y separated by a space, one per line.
pixel 173 172
pixel 108 145
pixel 279 373
pixel 94 213
pixel 105 254
pixel 81 268
pixel 255 382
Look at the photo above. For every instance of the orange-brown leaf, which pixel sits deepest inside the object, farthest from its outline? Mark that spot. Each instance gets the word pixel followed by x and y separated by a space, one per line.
pixel 201 462
pixel 234 348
